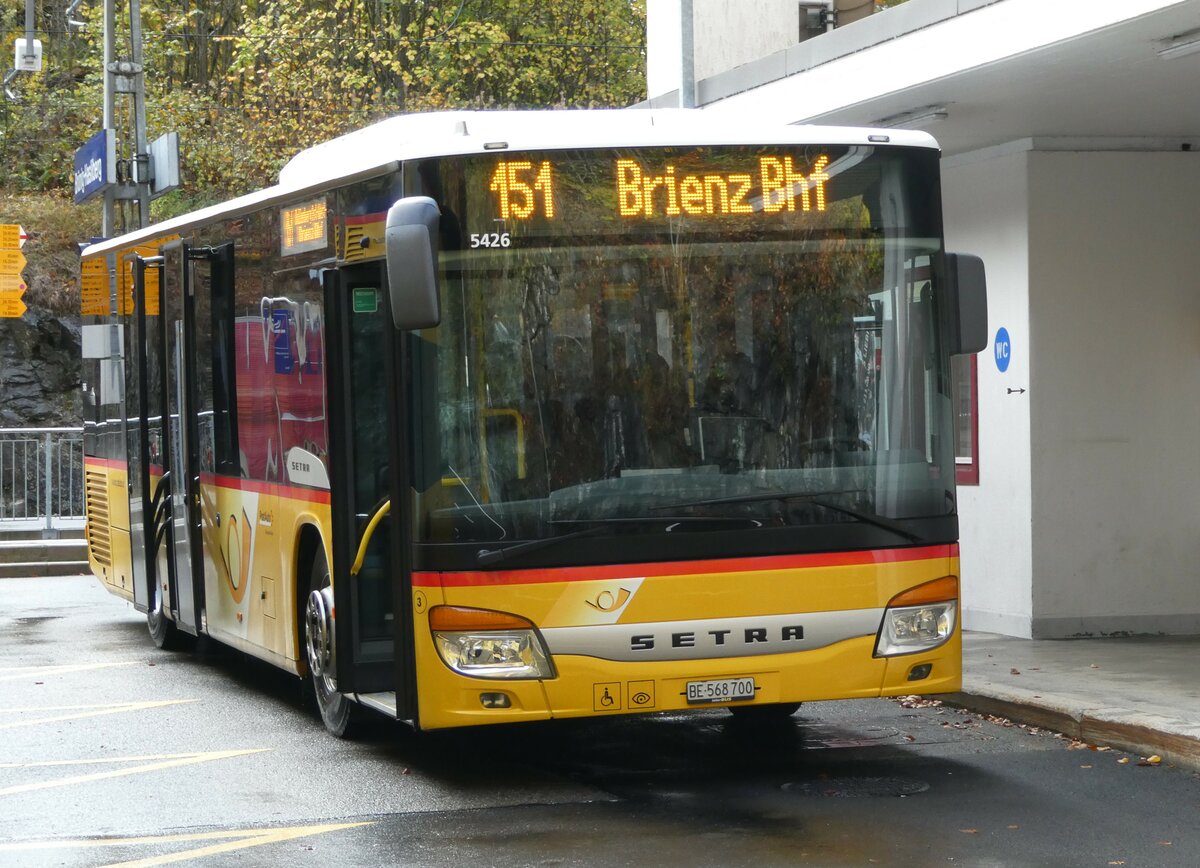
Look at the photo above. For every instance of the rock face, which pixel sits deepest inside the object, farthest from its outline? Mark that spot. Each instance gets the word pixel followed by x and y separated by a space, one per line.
pixel 39 371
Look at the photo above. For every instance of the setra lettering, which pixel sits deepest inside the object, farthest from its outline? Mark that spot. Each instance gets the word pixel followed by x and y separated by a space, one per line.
pixel 720 638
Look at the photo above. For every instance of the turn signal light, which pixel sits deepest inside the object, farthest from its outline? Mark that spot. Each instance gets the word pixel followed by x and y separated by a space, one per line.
pixel 937 591
pixel 463 618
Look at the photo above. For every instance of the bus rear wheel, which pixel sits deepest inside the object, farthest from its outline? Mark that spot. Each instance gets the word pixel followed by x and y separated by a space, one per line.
pixel 337 712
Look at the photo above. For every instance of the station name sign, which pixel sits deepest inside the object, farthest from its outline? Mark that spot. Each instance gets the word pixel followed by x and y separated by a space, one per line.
pixel 95 165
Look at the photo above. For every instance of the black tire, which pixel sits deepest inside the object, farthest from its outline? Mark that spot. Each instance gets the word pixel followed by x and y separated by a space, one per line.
pixel 163 631
pixel 339 714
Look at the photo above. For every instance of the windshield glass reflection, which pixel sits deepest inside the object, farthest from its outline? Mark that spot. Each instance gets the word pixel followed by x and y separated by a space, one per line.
pixel 782 371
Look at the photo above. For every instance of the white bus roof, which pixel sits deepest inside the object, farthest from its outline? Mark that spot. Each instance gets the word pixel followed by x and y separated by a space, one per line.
pixel 375 149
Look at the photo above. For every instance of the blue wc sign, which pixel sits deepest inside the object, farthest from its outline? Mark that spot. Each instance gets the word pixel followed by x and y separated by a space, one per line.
pixel 1003 347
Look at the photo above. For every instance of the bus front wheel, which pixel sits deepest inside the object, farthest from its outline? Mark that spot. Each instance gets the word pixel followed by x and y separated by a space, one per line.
pixel 337 712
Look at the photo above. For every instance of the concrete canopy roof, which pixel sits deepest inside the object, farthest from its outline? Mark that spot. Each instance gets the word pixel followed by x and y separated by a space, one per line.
pixel 1002 71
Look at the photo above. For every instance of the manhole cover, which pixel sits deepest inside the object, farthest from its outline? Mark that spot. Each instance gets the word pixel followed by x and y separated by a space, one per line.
pixel 857 788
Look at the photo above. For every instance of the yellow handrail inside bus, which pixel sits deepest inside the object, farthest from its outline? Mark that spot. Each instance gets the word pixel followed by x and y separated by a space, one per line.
pixel 366 540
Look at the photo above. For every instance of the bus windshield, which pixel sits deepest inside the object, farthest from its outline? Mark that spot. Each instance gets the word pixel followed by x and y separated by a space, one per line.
pixel 684 336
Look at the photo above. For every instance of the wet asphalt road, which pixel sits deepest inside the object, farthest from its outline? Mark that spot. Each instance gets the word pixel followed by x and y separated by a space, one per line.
pixel 112 752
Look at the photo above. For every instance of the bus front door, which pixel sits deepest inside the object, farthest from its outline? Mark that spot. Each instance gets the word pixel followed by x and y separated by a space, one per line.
pixel 369 583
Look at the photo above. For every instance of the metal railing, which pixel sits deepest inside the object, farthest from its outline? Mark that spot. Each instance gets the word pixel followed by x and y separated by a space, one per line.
pixel 41 478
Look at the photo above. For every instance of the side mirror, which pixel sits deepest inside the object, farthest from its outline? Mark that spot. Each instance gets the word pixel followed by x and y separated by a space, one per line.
pixel 411 239
pixel 965 304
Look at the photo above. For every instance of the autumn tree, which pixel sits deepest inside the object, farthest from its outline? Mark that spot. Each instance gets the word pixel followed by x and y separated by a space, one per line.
pixel 248 83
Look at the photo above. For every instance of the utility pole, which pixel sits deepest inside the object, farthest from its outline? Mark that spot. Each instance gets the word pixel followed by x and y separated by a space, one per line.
pixel 123 168
pixel 107 227
pixel 126 76
pixel 28 51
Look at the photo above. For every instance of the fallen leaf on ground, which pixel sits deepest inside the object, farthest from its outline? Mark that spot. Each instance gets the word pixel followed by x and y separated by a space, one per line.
pixel 1123 760
pixel 1014 672
pixel 969 831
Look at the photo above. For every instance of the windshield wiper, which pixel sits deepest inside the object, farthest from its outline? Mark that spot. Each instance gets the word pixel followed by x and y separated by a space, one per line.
pixel 818 498
pixel 486 557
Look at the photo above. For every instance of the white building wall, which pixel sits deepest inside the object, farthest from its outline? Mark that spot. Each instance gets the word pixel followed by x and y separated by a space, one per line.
pixel 732 32
pixel 986 206
pixel 1115 304
pixel 726 33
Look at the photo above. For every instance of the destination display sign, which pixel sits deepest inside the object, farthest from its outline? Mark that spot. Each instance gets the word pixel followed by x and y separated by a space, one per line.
pixel 305 228
pixel 739 184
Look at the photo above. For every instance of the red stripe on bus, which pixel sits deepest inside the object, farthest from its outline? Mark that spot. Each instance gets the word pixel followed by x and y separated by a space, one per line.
pixel 681 568
pixel 258 486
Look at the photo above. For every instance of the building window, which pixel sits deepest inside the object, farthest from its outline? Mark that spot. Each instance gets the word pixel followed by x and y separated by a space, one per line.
pixel 964 384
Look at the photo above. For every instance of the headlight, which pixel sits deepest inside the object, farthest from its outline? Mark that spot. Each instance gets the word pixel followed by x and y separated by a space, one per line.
pixel 919 619
pixel 485 644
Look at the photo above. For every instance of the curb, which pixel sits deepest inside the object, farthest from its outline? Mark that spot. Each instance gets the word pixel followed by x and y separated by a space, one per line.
pixel 1115 728
pixel 43 569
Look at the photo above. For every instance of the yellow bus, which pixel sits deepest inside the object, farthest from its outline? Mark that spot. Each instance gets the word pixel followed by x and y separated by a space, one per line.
pixel 482 417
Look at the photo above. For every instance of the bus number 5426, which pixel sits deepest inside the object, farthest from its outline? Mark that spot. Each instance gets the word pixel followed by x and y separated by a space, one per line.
pixel 491 239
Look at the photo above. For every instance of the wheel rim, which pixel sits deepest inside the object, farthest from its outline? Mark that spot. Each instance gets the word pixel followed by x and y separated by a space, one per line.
pixel 319 639
pixel 154 613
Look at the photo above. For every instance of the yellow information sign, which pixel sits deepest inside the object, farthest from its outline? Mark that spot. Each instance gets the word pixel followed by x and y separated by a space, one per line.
pixel 11 307
pixel 93 284
pixel 125 304
pixel 11 261
pixel 12 283
pixel 12 236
